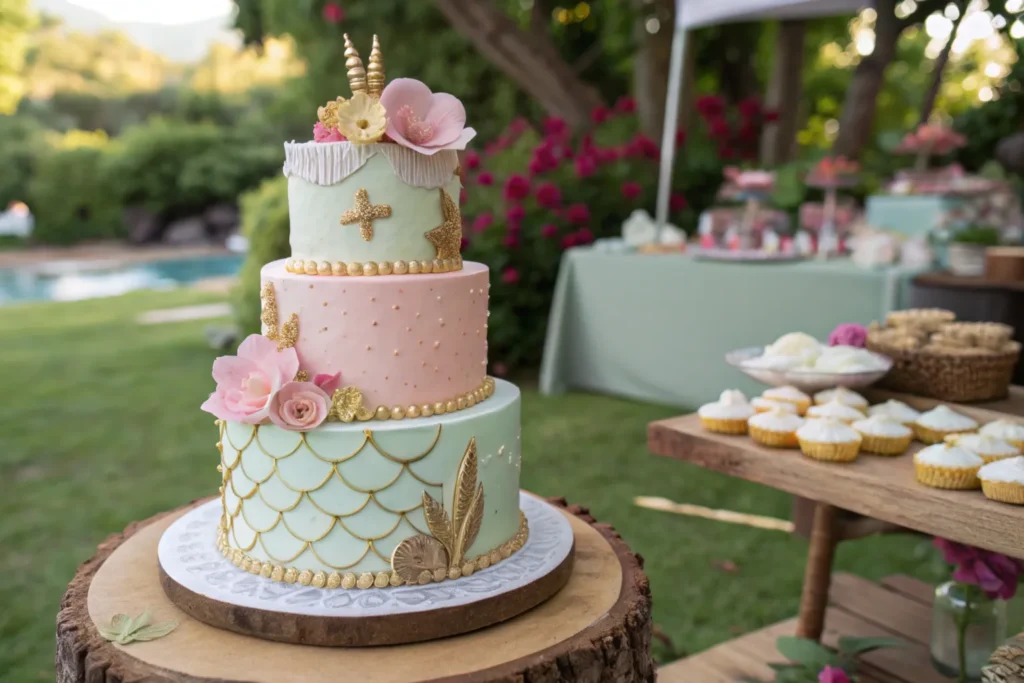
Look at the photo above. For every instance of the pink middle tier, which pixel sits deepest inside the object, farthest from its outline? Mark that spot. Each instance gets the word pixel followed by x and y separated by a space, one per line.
pixel 401 339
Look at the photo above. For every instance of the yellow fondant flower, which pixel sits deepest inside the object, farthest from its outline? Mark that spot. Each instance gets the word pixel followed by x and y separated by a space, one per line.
pixel 362 119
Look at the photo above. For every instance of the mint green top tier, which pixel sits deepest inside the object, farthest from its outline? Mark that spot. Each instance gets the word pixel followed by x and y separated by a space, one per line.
pixel 403 199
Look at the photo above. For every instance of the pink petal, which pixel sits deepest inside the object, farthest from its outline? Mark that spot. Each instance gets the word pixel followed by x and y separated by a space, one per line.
pixel 406 91
pixel 231 371
pixel 216 407
pixel 287 363
pixel 329 383
pixel 257 348
pixel 447 116
pixel 463 139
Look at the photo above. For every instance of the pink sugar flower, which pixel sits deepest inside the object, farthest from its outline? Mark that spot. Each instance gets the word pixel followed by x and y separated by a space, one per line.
pixel 548 195
pixel 247 383
pixel 485 178
pixel 322 133
pixel 424 121
pixel 631 190
pixel 578 213
pixel 329 383
pixel 516 187
pixel 549 231
pixel 510 276
pixel 300 406
pixel 831 674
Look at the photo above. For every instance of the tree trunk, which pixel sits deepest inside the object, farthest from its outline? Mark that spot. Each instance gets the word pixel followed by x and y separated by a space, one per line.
pixel 784 94
pixel 858 115
pixel 651 64
pixel 530 58
pixel 939 67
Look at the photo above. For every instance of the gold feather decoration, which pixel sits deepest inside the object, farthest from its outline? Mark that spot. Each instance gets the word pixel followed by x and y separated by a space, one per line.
pixel 458 533
pixel 354 65
pixel 289 334
pixel 268 311
pixel 375 72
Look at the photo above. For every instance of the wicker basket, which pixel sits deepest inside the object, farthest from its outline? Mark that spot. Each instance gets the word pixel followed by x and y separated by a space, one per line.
pixel 957 378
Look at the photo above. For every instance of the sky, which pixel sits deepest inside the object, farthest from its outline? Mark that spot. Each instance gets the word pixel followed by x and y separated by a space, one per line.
pixel 158 11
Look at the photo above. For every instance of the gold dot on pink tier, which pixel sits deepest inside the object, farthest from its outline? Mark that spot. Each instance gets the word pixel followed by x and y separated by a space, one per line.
pixel 438 297
pixel 437 344
pixel 396 352
pixel 373 298
pixel 375 323
pixel 395 307
pixel 368 347
pixel 441 320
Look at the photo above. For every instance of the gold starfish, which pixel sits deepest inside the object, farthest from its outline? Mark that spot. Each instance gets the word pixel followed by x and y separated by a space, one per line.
pixel 365 213
pixel 447 237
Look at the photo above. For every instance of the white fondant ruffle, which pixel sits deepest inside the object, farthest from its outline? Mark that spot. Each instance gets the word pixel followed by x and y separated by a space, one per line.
pixel 329 163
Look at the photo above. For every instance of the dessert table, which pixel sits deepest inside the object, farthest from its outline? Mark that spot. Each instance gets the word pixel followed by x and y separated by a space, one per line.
pixel 882 488
pixel 598 627
pixel 643 325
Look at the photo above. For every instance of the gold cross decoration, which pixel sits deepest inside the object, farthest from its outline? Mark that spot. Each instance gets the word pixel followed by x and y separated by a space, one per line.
pixel 447 237
pixel 365 213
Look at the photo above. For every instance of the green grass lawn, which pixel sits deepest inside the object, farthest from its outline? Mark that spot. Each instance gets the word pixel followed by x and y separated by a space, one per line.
pixel 101 426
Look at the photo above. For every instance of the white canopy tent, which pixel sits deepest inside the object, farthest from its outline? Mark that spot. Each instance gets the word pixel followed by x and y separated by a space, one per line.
pixel 696 13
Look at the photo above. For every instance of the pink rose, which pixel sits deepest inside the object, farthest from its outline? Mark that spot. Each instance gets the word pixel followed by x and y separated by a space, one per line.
pixel 631 190
pixel 578 213
pixel 831 674
pixel 515 213
pixel 600 114
pixel 322 133
pixel 422 120
pixel 549 231
pixel 472 160
pixel 585 166
pixel 485 178
pixel 329 383
pixel 482 222
pixel 997 575
pixel 555 126
pixel 548 195
pixel 510 276
pixel 300 406
pixel 247 383
pixel 516 187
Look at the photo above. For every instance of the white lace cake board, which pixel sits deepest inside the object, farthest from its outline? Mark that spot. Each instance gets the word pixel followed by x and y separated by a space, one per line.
pixel 208 587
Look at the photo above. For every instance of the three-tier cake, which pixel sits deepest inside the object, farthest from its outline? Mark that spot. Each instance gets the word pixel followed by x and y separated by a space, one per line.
pixel 362 442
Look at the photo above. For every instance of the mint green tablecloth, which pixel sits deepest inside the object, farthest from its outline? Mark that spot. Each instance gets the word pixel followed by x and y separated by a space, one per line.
pixel 657 327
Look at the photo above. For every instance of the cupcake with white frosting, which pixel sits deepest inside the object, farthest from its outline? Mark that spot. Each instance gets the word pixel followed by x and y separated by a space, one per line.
pixel 763 405
pixel 1007 430
pixel 776 428
pixel 790 395
pixel 727 415
pixel 896 409
pixel 844 396
pixel 884 435
pixel 1003 480
pixel 947 466
pixel 829 439
pixel 990 448
pixel 836 411
pixel 940 422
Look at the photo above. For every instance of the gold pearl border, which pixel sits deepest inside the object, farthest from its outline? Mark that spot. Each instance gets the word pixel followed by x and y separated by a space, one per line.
pixel 453 405
pixel 349 580
pixel 356 268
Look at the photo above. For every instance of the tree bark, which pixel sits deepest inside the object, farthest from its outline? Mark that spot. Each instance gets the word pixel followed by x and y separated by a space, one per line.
pixel 939 67
pixel 858 115
pixel 530 58
pixel 651 64
pixel 784 94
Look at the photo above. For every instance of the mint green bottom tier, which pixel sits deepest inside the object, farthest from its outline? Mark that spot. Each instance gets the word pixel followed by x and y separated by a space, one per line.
pixel 338 499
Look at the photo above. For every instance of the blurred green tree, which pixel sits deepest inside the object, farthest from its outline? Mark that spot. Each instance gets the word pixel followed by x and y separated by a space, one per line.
pixel 15 22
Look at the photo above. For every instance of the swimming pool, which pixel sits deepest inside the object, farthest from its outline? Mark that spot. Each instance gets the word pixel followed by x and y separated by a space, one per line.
pixel 74 280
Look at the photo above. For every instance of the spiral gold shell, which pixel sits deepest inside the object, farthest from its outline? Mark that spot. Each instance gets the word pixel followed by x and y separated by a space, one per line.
pixel 416 555
pixel 375 72
pixel 354 65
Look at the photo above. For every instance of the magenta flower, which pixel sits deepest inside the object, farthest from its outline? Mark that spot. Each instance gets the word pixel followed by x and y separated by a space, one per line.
pixel 247 383
pixel 463 244
pixel 849 334
pixel 584 236
pixel 300 406
pixel 625 105
pixel 676 202
pixel 515 213
pixel 485 178
pixel 680 137
pixel 322 133
pixel 646 147
pixel 424 121
pixel 831 674
pixel 511 241
pixel 548 195
pixel 631 190
pixel 516 187
pixel 510 276
pixel 482 222
pixel 463 196
pixel 472 160
pixel 329 383
pixel 585 166
pixel 555 126
pixel 996 574
pixel 333 13
pixel 569 241
pixel 600 114
pixel 578 213
pixel 548 231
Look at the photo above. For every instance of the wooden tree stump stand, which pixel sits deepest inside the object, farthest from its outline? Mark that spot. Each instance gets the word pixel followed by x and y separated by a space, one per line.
pixel 597 628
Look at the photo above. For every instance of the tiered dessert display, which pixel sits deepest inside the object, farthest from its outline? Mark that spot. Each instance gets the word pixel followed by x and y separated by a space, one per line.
pixel 363 446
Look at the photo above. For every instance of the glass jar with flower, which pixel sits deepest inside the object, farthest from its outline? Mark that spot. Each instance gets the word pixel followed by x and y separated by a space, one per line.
pixel 969 611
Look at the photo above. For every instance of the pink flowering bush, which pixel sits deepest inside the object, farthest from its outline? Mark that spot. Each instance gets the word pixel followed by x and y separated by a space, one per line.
pixel 539 189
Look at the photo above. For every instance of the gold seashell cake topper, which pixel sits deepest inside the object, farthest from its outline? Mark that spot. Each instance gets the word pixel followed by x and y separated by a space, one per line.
pixel 360 79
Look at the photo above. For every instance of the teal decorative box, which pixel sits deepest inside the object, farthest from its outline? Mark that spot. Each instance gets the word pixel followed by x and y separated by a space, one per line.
pixel 911 215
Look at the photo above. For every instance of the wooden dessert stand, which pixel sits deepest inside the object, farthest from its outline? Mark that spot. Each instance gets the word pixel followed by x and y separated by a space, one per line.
pixel 597 628
pixel 881 488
